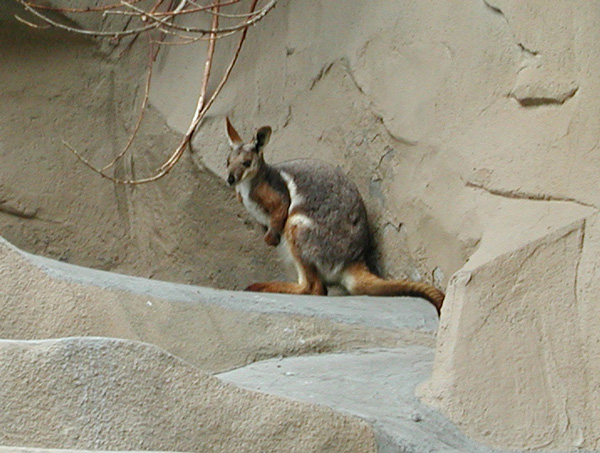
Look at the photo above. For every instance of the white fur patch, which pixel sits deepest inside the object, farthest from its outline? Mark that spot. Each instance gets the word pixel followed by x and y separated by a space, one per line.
pixel 348 281
pixel 332 275
pixel 295 198
pixel 284 251
pixel 243 188
pixel 301 220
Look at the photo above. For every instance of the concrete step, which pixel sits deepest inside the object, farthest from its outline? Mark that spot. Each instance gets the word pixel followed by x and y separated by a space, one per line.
pixel 377 385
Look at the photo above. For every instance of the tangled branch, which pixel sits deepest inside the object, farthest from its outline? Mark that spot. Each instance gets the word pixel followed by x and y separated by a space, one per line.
pixel 159 21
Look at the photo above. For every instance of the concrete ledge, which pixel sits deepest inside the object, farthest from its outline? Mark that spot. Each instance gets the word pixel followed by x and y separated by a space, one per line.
pixel 214 330
pixel 380 312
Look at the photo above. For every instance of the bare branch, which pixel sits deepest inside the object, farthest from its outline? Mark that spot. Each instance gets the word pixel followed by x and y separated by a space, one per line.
pixel 31 24
pixel 159 22
pixel 89 9
pixel 160 18
pixel 179 12
pixel 198 116
pixel 256 17
pixel 151 58
pixel 200 8
pixel 186 40
pixel 209 60
pixel 98 33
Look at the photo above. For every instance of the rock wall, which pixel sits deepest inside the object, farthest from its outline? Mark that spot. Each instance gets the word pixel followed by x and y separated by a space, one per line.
pixel 56 88
pixel 471 130
pixel 470 127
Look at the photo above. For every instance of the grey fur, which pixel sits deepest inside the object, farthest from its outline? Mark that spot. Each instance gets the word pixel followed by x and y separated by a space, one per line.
pixel 340 234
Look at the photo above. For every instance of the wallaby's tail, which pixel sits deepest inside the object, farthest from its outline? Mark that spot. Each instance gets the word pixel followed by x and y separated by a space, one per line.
pixel 359 280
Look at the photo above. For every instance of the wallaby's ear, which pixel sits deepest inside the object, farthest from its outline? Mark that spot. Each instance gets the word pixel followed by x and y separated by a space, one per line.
pixel 232 135
pixel 262 138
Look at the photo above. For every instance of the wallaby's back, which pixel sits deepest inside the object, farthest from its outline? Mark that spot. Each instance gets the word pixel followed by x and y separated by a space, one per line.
pixel 339 233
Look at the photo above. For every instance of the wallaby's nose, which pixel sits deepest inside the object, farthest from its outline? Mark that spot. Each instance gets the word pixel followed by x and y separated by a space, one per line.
pixel 230 179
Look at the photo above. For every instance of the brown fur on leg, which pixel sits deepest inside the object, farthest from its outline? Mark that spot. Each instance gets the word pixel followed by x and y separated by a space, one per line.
pixel 309 281
pixel 309 284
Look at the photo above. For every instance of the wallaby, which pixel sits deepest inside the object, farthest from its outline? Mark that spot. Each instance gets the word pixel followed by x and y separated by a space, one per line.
pixel 319 215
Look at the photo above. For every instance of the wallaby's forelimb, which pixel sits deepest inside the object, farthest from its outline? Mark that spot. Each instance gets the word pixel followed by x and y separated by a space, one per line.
pixel 277 209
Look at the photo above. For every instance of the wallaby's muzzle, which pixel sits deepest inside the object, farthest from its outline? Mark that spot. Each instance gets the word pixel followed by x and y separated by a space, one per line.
pixel 231 179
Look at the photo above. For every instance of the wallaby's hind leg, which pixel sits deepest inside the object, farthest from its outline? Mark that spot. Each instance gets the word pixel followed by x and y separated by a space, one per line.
pixel 308 278
pixel 358 280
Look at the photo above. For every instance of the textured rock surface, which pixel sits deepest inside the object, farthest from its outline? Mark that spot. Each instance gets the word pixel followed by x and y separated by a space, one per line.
pixel 362 383
pixel 214 330
pixel 117 394
pixel 536 394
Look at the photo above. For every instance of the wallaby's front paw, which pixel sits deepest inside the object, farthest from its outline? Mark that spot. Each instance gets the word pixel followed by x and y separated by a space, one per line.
pixel 272 238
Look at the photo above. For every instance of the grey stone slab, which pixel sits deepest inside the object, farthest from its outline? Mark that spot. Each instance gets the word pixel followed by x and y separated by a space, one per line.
pixel 376 385
pixel 380 312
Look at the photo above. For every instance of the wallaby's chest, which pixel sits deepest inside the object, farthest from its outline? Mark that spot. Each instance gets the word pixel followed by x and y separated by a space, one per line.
pixel 249 199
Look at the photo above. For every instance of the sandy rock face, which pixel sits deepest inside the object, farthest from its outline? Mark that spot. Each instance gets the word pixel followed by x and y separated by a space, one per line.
pixel 115 394
pixel 536 340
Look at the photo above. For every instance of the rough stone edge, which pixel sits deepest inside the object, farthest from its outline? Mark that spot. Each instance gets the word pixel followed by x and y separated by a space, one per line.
pixel 431 391
pixel 316 406
pixel 378 312
pixel 54 450
pixel 438 433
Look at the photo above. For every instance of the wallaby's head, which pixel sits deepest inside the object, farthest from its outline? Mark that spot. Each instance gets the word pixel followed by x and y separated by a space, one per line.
pixel 245 159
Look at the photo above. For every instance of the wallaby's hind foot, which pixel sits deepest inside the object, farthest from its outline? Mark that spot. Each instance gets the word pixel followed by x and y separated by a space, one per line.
pixel 359 280
pixel 287 288
pixel 309 281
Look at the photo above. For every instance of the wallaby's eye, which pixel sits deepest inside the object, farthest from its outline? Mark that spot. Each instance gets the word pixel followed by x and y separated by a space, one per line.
pixel 247 163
